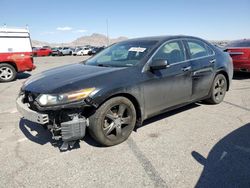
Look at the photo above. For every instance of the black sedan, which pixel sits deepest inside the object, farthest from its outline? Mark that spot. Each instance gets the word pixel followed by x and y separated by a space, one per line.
pixel 95 50
pixel 126 83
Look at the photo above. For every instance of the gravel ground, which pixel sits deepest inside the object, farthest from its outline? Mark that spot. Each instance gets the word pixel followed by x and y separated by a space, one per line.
pixel 199 145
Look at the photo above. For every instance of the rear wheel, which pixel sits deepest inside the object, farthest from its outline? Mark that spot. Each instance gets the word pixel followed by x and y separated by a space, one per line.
pixel 113 122
pixel 7 72
pixel 218 89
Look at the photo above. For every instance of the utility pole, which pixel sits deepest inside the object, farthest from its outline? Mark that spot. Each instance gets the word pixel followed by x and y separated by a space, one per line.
pixel 107 24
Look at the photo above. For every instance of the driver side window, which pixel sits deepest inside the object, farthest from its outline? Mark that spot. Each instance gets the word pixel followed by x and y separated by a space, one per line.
pixel 172 52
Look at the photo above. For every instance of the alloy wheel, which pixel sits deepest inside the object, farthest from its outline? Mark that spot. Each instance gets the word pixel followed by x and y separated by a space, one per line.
pixel 6 73
pixel 220 89
pixel 117 121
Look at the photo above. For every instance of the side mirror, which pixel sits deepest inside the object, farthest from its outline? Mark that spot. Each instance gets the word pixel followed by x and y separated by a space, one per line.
pixel 159 64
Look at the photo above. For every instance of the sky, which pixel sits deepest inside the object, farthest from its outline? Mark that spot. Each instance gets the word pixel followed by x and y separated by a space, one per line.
pixel 66 20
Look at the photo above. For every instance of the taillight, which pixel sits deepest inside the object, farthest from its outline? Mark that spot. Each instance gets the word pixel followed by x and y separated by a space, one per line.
pixel 31 57
pixel 248 54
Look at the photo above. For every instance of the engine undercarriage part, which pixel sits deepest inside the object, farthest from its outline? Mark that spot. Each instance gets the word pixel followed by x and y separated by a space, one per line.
pixel 69 127
pixel 74 129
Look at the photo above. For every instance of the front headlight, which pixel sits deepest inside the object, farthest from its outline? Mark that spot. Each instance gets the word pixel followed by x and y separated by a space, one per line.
pixel 47 99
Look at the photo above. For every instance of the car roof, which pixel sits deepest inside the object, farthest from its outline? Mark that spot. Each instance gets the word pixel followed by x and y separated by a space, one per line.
pixel 242 43
pixel 163 38
pixel 242 40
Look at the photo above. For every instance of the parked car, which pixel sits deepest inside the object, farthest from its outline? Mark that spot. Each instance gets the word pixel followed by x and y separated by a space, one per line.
pixel 84 51
pixel 95 50
pixel 56 52
pixel 74 52
pixel 128 82
pixel 66 51
pixel 15 53
pixel 240 52
pixel 42 51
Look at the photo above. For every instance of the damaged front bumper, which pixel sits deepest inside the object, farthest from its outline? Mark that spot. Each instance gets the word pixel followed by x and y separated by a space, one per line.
pixel 29 114
pixel 68 126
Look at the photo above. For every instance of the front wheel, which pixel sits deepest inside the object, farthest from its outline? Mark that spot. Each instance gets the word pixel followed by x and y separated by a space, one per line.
pixel 7 72
pixel 218 90
pixel 113 122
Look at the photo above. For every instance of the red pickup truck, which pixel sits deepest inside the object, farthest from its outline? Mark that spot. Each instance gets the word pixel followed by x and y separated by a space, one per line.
pixel 15 53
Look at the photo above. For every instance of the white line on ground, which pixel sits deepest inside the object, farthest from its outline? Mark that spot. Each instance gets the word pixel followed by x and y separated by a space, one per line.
pixel 13 111
pixel 22 140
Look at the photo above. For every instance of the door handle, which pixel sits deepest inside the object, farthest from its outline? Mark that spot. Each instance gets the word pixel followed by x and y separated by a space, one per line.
pixel 212 61
pixel 185 69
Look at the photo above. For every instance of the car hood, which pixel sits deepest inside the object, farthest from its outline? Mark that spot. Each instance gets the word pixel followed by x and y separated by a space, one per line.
pixel 69 78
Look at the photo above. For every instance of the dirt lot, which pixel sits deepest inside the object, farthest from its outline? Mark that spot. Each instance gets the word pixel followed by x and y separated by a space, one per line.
pixel 198 145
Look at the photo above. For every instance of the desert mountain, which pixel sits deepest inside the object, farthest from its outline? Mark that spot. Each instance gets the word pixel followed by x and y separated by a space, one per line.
pixel 95 40
pixel 101 40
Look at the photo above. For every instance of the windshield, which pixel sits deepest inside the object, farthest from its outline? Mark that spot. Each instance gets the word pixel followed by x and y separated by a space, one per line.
pixel 77 49
pixel 124 54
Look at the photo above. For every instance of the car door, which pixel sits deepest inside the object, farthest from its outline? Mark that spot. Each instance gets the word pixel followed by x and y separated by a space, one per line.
pixel 171 86
pixel 65 51
pixel 202 59
pixel 44 52
pixel 40 52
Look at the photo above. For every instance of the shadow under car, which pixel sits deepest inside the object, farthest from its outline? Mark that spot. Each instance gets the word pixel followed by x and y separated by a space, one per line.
pixel 228 162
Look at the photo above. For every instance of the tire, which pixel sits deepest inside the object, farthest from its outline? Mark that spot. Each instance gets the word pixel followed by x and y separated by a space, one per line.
pixel 218 90
pixel 7 72
pixel 113 121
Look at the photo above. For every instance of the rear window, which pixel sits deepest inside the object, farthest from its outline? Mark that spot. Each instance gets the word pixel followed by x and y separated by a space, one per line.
pixel 197 49
pixel 210 51
pixel 242 43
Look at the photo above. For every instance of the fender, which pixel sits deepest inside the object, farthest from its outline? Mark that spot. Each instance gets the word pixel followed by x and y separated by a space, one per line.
pixel 135 94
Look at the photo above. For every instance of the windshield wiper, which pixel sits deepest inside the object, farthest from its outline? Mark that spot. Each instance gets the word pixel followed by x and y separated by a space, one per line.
pixel 103 65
